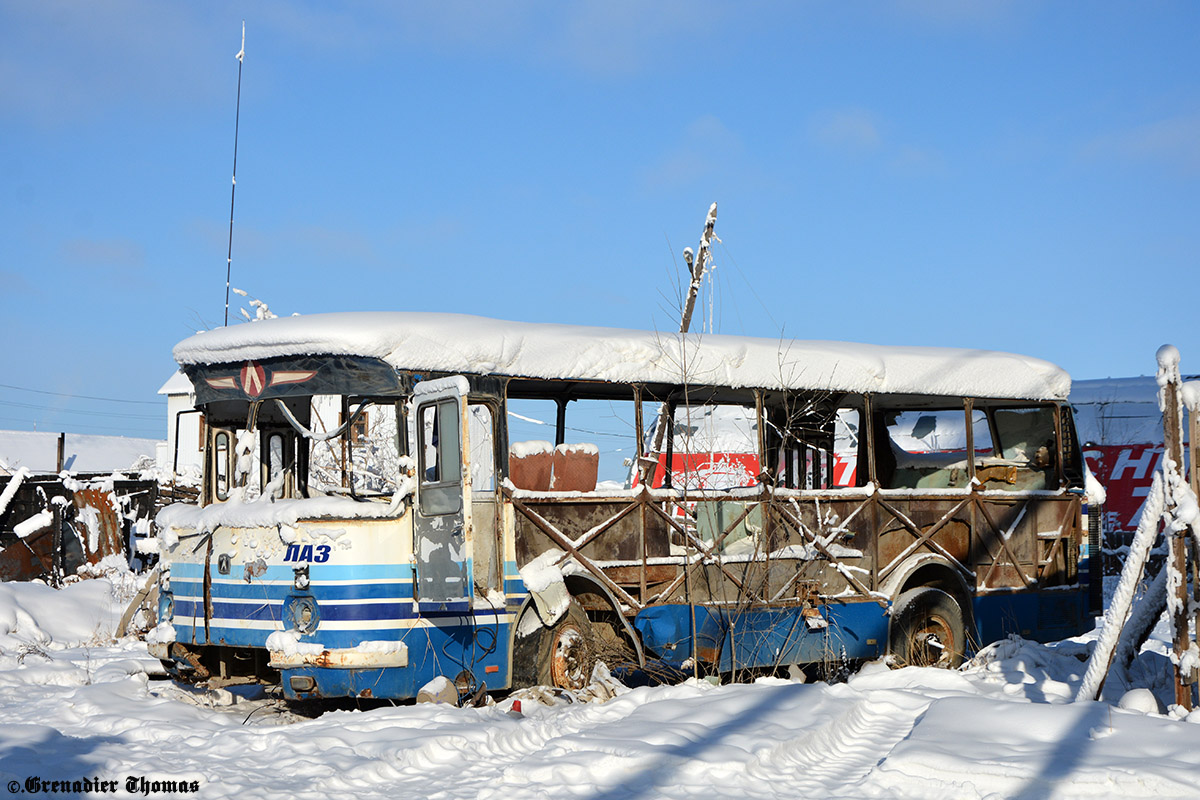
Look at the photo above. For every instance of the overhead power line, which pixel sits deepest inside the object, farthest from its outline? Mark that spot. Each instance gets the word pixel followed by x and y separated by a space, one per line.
pixel 73 411
pixel 137 432
pixel 82 396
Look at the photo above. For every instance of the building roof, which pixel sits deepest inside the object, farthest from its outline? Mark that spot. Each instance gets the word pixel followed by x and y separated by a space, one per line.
pixel 38 450
pixel 177 384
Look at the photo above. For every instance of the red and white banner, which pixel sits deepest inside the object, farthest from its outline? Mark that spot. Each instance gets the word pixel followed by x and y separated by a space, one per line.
pixel 1126 472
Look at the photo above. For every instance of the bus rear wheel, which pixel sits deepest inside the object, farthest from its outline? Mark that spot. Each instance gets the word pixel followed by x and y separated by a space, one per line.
pixel 927 629
pixel 567 653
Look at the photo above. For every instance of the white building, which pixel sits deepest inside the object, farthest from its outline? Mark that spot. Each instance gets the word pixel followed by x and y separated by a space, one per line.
pixel 184 423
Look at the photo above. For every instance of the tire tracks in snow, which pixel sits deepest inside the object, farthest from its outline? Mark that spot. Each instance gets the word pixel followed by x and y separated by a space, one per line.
pixel 843 751
pixel 464 762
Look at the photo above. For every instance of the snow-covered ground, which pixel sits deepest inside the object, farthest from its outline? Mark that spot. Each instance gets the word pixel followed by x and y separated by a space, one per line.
pixel 76 704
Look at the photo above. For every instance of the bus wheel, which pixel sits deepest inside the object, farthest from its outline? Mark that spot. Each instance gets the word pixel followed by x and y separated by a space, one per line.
pixel 567 652
pixel 927 629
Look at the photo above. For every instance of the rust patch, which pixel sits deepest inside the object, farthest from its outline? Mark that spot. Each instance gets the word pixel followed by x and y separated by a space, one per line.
pixel 255 569
pixel 28 558
pixel 179 652
pixel 108 539
pixel 955 537
pixel 631 576
pixel 1005 576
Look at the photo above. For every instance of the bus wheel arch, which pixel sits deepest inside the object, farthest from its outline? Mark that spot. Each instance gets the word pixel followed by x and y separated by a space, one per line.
pixel 931 614
pixel 616 636
pixel 563 653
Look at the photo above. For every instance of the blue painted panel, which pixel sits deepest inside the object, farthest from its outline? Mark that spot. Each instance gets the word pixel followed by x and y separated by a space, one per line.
pixel 1043 616
pixel 432 652
pixel 235 637
pixel 763 637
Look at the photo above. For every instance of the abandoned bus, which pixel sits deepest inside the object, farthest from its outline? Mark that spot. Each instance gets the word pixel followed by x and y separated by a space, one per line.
pixel 382 505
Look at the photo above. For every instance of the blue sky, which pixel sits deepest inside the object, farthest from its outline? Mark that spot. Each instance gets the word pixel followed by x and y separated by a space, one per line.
pixel 1018 176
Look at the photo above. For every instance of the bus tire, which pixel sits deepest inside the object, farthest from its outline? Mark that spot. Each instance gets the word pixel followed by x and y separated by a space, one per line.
pixel 927 629
pixel 567 652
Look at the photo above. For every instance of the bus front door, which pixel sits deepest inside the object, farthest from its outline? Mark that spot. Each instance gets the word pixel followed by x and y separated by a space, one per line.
pixel 441 525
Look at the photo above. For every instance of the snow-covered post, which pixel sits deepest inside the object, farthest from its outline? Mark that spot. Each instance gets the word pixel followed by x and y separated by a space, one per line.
pixel 1122 601
pixel 1170 402
pixel 1190 395
pixel 696 268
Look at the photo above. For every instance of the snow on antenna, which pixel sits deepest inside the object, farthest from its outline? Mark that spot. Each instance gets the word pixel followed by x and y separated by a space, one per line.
pixel 233 191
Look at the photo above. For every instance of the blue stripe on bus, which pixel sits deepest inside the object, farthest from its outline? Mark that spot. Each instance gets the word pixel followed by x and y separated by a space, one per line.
pixel 368 591
pixel 248 611
pixel 274 611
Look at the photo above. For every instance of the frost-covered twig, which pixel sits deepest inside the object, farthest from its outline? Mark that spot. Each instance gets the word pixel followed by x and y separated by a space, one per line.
pixel 261 310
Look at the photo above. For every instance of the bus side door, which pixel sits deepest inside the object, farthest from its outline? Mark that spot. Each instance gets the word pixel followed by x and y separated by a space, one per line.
pixel 442 521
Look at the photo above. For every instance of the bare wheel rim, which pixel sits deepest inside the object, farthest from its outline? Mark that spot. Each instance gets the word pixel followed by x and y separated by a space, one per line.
pixel 568 661
pixel 931 642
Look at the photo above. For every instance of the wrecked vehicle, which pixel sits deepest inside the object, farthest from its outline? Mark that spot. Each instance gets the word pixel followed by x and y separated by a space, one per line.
pixel 368 523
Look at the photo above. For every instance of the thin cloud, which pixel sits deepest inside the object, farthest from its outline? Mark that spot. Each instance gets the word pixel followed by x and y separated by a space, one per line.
pixel 13 283
pixel 115 253
pixel 962 13
pixel 623 37
pixel 66 61
pixel 852 129
pixel 335 246
pixel 918 162
pixel 1174 143
pixel 707 147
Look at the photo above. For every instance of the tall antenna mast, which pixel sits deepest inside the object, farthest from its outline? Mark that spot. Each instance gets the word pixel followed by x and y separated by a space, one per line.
pixel 233 192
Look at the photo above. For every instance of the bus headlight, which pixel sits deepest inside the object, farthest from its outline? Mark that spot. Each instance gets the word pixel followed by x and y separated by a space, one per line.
pixel 303 613
pixel 166 606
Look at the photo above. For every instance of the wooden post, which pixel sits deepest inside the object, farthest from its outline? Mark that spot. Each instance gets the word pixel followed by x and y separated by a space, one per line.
pixel 696 269
pixel 1168 361
pixel 57 567
pixel 1194 447
pixel 62 447
pixel 1194 452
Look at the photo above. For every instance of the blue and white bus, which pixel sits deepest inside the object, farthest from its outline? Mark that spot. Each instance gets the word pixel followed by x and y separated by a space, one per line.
pixel 395 498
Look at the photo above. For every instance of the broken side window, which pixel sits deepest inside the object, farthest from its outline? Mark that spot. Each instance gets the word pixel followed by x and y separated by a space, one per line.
pixel 922 449
pixel 1027 445
pixel 713 447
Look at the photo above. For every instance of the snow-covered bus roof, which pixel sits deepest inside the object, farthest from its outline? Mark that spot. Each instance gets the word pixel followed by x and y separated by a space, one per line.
pixel 458 343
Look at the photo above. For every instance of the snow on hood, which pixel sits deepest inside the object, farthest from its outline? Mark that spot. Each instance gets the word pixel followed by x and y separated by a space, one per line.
pixel 460 343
